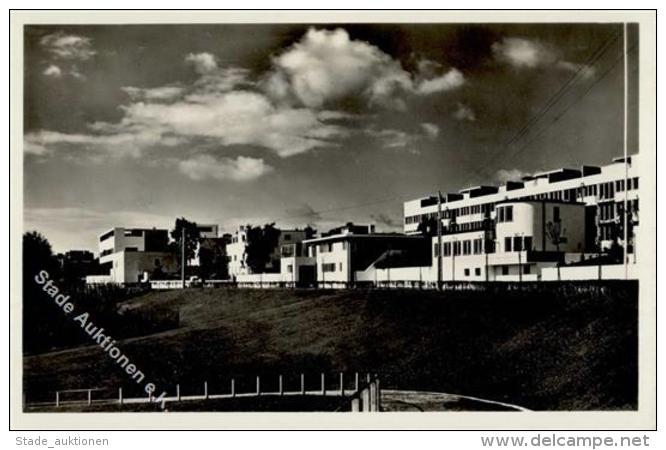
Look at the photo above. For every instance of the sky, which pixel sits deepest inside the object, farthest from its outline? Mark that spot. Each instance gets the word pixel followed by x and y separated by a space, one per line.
pixel 135 125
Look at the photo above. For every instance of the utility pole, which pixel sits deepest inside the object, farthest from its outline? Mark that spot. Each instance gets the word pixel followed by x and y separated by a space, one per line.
pixel 453 259
pixel 626 161
pixel 182 257
pixel 439 240
pixel 520 262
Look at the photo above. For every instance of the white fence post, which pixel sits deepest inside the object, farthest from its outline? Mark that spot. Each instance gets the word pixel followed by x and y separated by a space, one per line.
pixel 178 392
pixel 89 396
pixel 323 384
pixel 303 383
pixel 233 387
pixel 120 395
pixel 365 399
pixel 57 399
pixel 206 390
pixel 378 407
pixel 342 384
pixel 280 385
pixel 372 387
pixel 258 386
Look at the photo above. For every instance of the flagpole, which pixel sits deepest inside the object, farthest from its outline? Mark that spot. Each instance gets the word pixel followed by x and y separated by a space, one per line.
pixel 626 160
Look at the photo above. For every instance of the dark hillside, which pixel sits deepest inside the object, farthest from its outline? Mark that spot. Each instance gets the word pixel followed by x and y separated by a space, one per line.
pixel 564 348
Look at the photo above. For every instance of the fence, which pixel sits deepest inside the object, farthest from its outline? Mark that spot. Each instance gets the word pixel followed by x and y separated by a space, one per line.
pixel 364 395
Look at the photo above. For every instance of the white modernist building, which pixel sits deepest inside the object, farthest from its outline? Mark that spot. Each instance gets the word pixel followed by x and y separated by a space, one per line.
pixel 344 252
pixel 132 255
pixel 601 189
pixel 236 250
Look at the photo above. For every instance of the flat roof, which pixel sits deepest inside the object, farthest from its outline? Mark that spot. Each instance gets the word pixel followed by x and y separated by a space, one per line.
pixel 340 237
pixel 581 173
pixel 558 202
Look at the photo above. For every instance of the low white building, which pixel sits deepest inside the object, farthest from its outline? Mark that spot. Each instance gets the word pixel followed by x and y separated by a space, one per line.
pixel 344 251
pixel 133 255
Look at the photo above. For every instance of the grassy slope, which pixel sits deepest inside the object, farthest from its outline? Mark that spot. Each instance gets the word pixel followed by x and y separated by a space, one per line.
pixel 560 351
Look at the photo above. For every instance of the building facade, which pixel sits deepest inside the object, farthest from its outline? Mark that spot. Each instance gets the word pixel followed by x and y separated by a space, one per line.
pixel 521 239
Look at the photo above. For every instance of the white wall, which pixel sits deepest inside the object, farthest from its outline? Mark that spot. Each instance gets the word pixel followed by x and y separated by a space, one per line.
pixel 295 262
pixel 608 272
pixel 424 274
pixel 528 220
pixel 340 255
pixel 128 267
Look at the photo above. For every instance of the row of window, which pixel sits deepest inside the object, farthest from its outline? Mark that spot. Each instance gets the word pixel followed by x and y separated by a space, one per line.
pixel 609 211
pixel 466 247
pixel 517 243
pixel 327 247
pixel 505 270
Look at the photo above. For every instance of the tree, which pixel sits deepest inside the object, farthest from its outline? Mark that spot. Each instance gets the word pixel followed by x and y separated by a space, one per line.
pixel 37 255
pixel 309 232
pixel 191 238
pixel 41 322
pixel 556 235
pixel 616 251
pixel 428 227
pixel 213 260
pixel 261 243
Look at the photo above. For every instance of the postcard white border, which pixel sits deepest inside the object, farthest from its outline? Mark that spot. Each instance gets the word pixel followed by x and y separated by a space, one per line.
pixel 643 419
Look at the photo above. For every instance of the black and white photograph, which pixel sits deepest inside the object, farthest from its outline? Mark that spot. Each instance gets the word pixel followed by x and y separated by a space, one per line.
pixel 365 218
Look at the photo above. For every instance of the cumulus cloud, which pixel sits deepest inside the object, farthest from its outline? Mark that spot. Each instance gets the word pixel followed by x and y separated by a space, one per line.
pixel 237 117
pixel 242 168
pixel 327 66
pixel 390 138
pixel 202 63
pixel 53 71
pixel 451 80
pixel 464 112
pixel 431 130
pixel 521 52
pixel 219 81
pixel 126 143
pixel 527 53
pixel 288 110
pixel 68 46
pixel 504 175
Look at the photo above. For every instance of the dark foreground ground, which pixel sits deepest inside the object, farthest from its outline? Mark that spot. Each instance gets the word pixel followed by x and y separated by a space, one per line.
pixel 548 347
